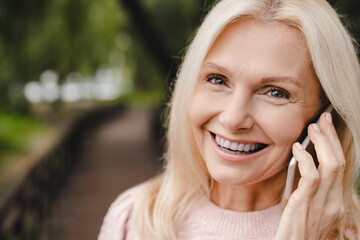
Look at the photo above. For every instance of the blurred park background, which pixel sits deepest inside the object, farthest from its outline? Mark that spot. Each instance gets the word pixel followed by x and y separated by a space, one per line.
pixel 82 87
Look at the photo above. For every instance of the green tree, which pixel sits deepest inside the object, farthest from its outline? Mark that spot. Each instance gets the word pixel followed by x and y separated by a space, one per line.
pixel 62 35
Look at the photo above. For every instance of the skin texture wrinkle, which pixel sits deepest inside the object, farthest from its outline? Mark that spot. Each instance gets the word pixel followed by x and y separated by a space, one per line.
pixel 256 85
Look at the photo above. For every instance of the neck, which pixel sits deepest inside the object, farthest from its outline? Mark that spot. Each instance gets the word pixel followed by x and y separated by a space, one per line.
pixel 250 197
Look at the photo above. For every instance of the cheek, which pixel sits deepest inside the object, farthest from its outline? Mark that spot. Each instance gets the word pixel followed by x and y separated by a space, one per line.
pixel 199 110
pixel 198 116
pixel 284 129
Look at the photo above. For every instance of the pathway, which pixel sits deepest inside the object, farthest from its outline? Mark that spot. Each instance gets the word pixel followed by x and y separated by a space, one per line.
pixel 120 156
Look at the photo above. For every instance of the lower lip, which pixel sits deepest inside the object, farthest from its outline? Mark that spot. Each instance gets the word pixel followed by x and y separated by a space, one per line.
pixel 235 157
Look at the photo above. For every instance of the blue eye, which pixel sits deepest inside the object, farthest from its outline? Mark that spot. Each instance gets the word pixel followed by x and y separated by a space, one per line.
pixel 216 79
pixel 278 93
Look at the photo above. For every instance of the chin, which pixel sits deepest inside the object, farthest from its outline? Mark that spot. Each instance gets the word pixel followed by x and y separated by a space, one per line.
pixel 230 176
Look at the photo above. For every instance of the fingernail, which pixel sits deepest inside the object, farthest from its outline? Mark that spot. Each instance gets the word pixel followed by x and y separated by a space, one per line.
pixel 299 146
pixel 328 118
pixel 315 127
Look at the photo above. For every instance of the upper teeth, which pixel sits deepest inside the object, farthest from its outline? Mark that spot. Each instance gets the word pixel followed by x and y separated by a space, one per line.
pixel 235 146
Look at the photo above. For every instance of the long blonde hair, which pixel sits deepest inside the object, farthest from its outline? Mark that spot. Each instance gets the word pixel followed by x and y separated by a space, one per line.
pixel 168 197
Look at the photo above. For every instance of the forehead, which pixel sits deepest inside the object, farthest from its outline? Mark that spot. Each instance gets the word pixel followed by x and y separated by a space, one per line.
pixel 262 48
pixel 275 34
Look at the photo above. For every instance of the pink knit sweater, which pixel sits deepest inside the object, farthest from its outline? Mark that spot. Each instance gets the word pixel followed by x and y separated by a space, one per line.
pixel 206 222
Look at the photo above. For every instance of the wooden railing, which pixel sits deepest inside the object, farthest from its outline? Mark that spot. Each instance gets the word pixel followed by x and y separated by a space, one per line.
pixel 24 211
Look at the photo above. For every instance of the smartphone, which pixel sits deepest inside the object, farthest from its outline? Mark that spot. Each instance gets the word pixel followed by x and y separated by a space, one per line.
pixel 293 163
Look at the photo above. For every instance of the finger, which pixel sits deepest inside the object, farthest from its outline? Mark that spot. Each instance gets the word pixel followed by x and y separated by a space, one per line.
pixel 335 200
pixel 308 183
pixel 329 171
pixel 328 151
pixel 327 128
pixel 334 208
pixel 328 164
pixel 298 205
pixel 309 180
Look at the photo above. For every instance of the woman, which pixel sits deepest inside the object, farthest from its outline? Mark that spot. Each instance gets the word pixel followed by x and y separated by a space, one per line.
pixel 254 77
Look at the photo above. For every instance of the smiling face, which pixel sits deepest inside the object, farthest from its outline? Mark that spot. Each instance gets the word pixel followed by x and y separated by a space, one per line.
pixel 254 95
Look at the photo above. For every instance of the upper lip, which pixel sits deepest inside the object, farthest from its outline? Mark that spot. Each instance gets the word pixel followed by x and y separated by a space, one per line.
pixel 238 140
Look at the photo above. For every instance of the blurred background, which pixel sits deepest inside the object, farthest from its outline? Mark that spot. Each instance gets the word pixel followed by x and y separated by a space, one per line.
pixel 83 84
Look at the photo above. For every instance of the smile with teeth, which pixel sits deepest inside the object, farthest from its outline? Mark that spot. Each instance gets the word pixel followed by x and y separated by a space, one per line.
pixel 237 147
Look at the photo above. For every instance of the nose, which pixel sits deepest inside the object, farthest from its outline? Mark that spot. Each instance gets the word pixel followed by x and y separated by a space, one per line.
pixel 237 115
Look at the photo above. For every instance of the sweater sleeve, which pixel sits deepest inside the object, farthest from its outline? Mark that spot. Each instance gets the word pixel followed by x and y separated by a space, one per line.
pixel 115 223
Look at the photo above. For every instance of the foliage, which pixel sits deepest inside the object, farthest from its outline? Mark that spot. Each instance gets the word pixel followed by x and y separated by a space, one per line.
pixel 63 35
pixel 15 131
pixel 143 98
pixel 350 13
pixel 81 36
pixel 174 23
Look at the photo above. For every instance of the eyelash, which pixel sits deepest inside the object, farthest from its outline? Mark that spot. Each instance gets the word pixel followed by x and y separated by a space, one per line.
pixel 212 77
pixel 216 76
pixel 285 94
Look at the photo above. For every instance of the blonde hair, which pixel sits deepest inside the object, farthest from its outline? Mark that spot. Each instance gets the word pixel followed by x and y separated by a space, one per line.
pixel 168 197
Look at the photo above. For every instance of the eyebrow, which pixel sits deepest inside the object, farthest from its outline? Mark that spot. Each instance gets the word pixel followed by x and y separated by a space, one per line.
pixel 217 67
pixel 284 79
pixel 265 80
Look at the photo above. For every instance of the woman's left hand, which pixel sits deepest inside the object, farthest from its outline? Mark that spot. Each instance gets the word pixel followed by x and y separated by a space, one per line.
pixel 316 205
